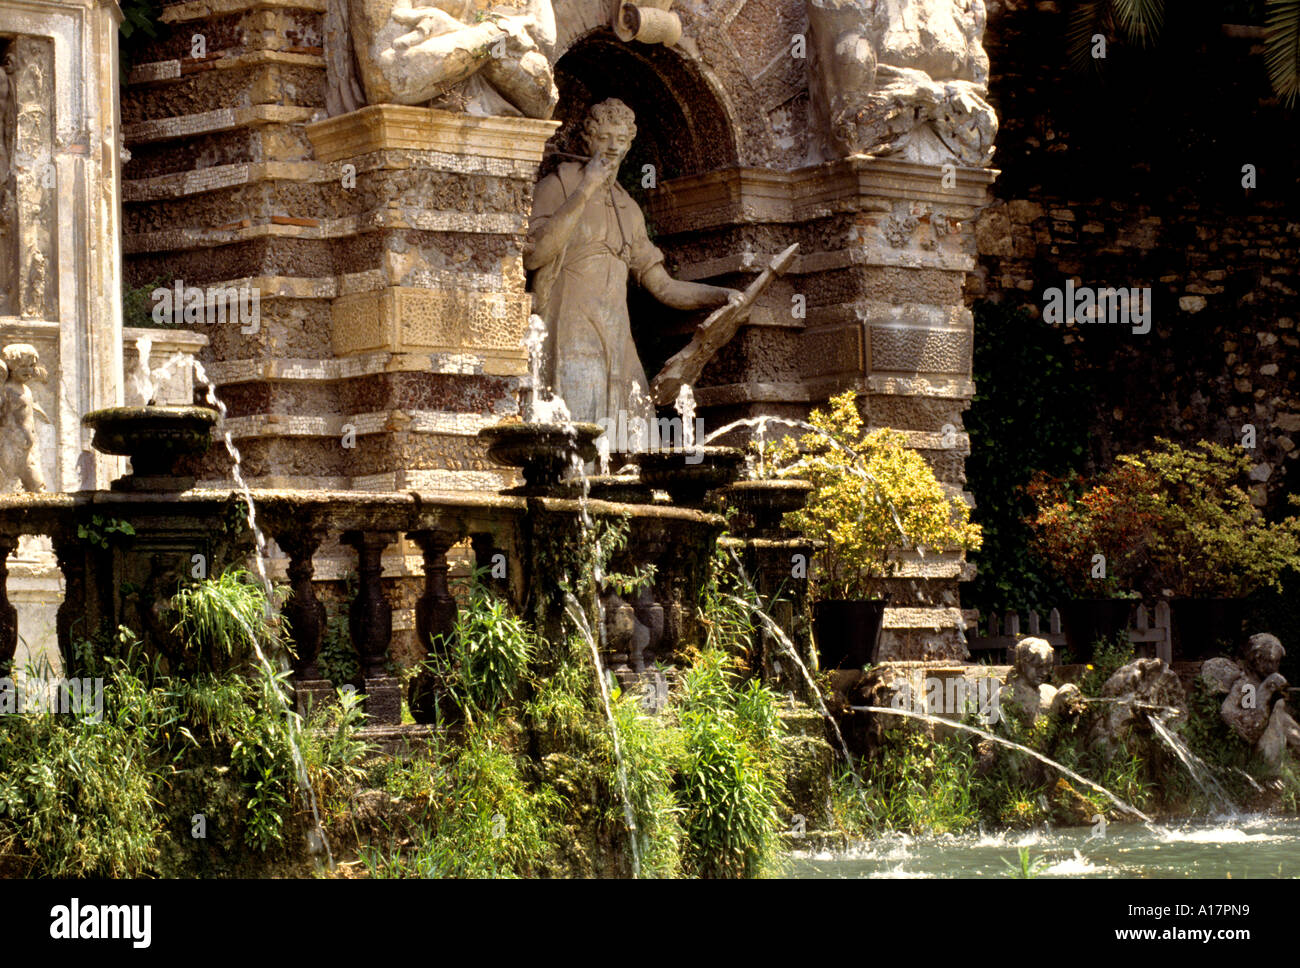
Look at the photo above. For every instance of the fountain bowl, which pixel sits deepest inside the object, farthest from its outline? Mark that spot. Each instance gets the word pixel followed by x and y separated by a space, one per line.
pixel 764 503
pixel 621 489
pixel 688 475
pixel 543 451
pixel 155 438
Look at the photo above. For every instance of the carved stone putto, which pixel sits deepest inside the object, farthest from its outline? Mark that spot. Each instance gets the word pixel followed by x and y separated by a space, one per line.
pixel 901 77
pixel 20 457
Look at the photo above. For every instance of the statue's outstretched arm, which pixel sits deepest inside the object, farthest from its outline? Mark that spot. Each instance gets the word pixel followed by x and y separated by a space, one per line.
pixel 678 294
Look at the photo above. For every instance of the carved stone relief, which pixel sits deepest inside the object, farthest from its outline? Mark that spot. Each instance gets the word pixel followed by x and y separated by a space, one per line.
pixel 901 77
pixel 27 180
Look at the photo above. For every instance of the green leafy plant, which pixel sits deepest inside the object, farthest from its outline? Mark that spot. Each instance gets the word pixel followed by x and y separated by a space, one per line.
pixel 1028 416
pixel 485 660
pixel 223 619
pixel 871 495
pixel 1026 867
pixel 729 786
pixel 1210 541
pixel 137 302
pixel 102 532
pixel 1108 515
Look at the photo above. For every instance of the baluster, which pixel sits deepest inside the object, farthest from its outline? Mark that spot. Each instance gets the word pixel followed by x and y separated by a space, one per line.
pixel 1054 622
pixel 371 618
pixel 304 612
pixel 1143 623
pixel 1013 623
pixel 75 608
pixel 435 611
pixel 1034 627
pixel 8 614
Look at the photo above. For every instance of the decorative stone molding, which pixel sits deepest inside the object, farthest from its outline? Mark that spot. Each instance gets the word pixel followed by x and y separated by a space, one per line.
pixel 386 127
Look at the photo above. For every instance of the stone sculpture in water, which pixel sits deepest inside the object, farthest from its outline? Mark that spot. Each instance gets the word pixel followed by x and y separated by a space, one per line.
pixel 901 77
pixel 1027 687
pixel 1256 706
pixel 585 236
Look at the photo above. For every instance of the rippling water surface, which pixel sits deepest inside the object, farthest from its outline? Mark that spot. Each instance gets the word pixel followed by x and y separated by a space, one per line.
pixel 1242 846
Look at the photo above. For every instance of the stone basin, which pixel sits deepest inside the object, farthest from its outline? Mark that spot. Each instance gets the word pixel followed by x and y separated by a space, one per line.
pixel 621 489
pixel 155 438
pixel 688 475
pixel 543 451
pixel 763 504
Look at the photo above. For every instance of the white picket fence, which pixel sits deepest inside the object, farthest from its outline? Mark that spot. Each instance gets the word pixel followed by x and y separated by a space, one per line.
pixel 1150 632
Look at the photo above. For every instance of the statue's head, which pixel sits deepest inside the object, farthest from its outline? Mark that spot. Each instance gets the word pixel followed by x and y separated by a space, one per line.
pixel 1264 654
pixel 22 362
pixel 609 129
pixel 1034 660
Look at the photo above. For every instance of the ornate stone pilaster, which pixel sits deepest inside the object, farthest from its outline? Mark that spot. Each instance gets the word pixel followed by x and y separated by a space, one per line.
pixel 430 323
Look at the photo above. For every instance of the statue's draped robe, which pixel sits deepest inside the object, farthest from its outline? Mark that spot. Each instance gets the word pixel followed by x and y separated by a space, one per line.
pixel 592 362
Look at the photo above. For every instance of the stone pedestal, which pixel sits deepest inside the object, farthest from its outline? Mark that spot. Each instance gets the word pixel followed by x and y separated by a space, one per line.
pixel 384 701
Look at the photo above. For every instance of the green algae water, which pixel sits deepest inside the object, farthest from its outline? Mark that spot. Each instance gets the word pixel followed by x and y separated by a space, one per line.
pixel 1237 847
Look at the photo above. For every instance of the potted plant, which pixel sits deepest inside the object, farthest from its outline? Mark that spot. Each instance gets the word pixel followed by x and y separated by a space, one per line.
pixel 1211 547
pixel 871 497
pixel 1095 535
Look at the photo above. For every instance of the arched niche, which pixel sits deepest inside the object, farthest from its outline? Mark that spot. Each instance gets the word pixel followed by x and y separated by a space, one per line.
pixel 683 128
pixel 682 123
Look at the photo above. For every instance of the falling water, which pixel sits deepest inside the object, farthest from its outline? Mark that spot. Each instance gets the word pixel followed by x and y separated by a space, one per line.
pixel 574 610
pixel 552 409
pixel 534 341
pixel 685 407
pixel 143 378
pixel 939 721
pixel 1196 767
pixel 638 432
pixel 778 633
pixel 304 781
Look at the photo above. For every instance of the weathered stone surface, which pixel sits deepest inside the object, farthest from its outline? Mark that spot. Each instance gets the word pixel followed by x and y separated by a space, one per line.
pixel 902 78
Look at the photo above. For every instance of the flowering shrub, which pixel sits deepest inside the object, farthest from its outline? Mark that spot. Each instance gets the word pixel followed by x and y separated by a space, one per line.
pixel 1114 517
pixel 1168 520
pixel 871 495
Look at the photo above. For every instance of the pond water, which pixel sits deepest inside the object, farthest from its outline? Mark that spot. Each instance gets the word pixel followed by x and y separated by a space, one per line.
pixel 1238 847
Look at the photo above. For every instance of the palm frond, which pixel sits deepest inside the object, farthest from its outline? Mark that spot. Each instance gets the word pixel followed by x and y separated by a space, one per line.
pixel 1140 19
pixel 1282 51
pixel 1086 21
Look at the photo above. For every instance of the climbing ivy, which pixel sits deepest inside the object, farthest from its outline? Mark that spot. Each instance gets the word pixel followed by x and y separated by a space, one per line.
pixel 1029 414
